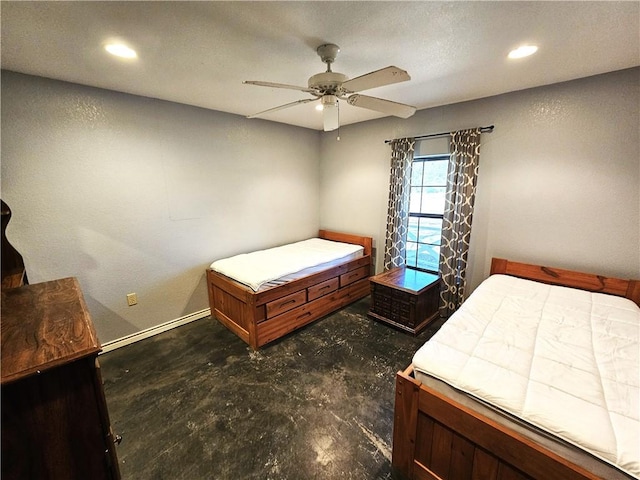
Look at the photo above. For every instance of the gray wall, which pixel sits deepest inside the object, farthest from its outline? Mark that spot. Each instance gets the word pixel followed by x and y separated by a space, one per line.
pixel 559 180
pixel 131 194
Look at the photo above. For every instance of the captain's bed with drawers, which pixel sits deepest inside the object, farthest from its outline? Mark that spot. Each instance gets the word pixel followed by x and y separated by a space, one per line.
pixel 536 376
pixel 264 295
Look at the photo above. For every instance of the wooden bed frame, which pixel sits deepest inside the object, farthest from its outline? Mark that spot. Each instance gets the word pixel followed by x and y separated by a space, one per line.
pixel 264 316
pixel 435 437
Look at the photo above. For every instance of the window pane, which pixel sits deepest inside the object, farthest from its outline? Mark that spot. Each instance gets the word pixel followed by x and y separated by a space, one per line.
pixel 428 257
pixel 416 173
pixel 411 254
pixel 430 230
pixel 433 200
pixel 415 197
pixel 435 172
pixel 412 233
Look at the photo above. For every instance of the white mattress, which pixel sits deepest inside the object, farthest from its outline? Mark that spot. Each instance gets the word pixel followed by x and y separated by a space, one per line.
pixel 260 267
pixel 564 360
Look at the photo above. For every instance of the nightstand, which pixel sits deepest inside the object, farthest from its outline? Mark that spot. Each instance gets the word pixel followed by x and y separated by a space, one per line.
pixel 405 298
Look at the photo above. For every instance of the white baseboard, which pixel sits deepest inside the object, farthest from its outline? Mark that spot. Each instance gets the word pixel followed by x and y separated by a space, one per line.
pixel 150 332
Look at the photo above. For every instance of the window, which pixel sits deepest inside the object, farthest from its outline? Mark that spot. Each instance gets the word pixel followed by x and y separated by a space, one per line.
pixel 426 209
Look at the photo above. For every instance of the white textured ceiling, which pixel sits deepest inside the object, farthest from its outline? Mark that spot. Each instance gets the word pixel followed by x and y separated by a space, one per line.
pixel 198 53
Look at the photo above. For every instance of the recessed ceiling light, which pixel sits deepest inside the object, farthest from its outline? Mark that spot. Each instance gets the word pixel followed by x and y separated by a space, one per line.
pixel 120 50
pixel 523 51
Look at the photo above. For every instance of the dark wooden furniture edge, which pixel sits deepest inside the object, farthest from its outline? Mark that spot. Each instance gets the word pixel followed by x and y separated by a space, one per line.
pixel 62 290
pixel 242 310
pixel 414 331
pixel 419 410
pixel 13 271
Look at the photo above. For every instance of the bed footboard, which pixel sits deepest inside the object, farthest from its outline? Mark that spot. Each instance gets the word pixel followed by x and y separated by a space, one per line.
pixel 436 438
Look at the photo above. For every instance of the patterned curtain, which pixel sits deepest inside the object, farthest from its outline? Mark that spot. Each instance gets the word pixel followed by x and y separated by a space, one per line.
pixel 398 212
pixel 458 213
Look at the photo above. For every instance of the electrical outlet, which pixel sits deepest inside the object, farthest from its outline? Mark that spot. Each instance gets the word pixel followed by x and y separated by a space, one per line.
pixel 132 299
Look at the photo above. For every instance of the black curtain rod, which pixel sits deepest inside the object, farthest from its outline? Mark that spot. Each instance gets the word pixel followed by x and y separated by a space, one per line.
pixel 488 129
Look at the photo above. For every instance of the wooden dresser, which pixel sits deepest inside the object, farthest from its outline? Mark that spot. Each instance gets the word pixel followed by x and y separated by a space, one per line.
pixel 55 423
pixel 405 298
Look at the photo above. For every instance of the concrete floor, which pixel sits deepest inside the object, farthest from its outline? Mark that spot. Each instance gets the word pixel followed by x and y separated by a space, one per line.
pixel 197 403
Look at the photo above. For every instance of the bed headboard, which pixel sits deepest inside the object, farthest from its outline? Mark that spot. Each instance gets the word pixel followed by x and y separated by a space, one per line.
pixel 366 242
pixel 567 278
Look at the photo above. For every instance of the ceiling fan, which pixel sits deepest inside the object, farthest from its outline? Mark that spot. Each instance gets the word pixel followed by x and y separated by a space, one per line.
pixel 329 87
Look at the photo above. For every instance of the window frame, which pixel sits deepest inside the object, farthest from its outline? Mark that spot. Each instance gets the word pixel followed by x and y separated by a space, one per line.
pixel 419 215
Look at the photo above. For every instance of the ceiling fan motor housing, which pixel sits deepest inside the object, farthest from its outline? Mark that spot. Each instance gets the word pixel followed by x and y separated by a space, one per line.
pixel 327 82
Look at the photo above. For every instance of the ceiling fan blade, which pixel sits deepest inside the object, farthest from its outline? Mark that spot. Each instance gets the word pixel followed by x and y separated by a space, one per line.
pixel 330 116
pixel 278 85
pixel 379 78
pixel 379 105
pixel 282 107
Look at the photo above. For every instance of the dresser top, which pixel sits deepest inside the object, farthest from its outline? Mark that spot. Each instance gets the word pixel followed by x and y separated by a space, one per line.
pixel 44 325
pixel 407 279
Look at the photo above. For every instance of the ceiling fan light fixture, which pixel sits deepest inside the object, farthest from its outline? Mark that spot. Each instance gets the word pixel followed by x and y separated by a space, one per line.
pixel 330 115
pixel 329 101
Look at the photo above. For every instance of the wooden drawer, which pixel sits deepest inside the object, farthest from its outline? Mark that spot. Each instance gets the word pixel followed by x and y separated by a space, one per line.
pixel 286 303
pixel 354 275
pixel 401 295
pixel 382 290
pixel 287 322
pixel 323 288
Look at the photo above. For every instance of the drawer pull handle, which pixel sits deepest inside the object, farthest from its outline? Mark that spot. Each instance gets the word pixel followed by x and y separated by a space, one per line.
pixel 287 303
pixel 304 315
pixel 325 287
